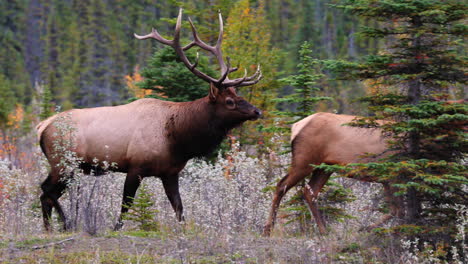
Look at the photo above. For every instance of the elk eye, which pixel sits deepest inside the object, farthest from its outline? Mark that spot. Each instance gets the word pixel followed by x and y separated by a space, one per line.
pixel 229 102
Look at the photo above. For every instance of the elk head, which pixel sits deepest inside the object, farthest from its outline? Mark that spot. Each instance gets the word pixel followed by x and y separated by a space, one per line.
pixel 222 93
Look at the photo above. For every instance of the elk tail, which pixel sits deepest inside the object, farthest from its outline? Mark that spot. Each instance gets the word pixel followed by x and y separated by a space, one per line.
pixel 298 126
pixel 42 126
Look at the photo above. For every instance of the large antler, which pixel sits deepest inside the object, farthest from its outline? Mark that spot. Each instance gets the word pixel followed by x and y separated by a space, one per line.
pixel 223 81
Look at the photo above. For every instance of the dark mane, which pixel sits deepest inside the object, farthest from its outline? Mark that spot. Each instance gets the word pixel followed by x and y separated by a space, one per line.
pixel 196 139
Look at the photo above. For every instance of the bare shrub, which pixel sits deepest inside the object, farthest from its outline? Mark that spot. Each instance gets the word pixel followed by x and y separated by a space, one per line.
pixel 20 213
pixel 214 200
pixel 92 203
pixel 225 204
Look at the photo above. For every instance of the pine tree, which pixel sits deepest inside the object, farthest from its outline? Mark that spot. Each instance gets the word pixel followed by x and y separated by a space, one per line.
pixel 46 103
pixel 142 212
pixel 12 57
pixel 305 83
pixel 412 80
pixel 170 79
pixel 7 103
pixel 305 97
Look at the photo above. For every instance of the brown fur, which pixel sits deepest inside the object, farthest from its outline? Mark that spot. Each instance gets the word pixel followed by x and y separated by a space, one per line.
pixel 144 138
pixel 324 138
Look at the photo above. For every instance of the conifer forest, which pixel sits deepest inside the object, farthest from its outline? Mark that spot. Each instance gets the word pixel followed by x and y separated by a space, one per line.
pixel 242 131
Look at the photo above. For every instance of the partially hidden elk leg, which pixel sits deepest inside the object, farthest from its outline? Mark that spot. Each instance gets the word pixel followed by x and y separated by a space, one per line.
pixel 52 190
pixel 395 204
pixel 283 186
pixel 132 182
pixel 171 187
pixel 311 192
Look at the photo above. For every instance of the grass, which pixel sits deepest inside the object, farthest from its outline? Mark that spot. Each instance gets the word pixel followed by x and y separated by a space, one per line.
pixel 3 244
pixel 51 256
pixel 38 241
pixel 136 233
pixel 224 224
pixel 189 245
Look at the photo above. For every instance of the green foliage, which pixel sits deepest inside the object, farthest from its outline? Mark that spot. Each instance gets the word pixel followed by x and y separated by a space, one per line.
pixel 333 195
pixel 247 41
pixel 305 96
pixel 81 49
pixel 170 78
pixel 12 57
pixel 46 103
pixel 7 103
pixel 305 84
pixel 411 81
pixel 142 212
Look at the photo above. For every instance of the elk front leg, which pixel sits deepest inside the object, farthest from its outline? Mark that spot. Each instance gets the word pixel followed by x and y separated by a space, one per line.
pixel 171 187
pixel 132 182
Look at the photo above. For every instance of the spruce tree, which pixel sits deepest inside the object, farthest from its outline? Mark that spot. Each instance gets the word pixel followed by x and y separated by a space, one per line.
pixel 8 100
pixel 413 79
pixel 302 103
pixel 170 79
pixel 305 83
pixel 46 103
pixel 142 212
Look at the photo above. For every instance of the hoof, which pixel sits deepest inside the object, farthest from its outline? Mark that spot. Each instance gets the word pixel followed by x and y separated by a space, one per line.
pixel 118 226
pixel 267 231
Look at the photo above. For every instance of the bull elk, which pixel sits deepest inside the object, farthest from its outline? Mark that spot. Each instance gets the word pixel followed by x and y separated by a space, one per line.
pixel 149 137
pixel 324 138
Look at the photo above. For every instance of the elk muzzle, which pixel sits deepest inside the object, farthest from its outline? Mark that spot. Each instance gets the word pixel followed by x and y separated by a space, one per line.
pixel 256 113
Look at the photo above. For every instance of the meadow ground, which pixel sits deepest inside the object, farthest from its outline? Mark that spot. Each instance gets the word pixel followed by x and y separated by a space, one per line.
pixel 226 204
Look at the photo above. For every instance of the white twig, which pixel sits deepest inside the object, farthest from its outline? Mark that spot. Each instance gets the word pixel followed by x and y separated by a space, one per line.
pixel 53 243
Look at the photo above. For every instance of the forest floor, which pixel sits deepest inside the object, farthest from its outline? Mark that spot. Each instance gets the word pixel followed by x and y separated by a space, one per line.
pixel 182 246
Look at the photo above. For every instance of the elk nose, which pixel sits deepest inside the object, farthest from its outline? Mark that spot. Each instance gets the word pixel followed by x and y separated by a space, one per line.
pixel 258 112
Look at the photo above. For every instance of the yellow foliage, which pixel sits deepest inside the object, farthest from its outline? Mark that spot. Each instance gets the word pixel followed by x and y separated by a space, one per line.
pixel 15 118
pixel 246 11
pixel 131 81
pixel 375 86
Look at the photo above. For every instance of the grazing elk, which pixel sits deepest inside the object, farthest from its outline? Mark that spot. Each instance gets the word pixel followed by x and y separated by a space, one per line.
pixel 148 137
pixel 324 138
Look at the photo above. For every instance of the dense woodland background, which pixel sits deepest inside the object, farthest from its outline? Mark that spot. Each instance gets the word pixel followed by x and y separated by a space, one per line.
pixel 82 50
pixel 409 60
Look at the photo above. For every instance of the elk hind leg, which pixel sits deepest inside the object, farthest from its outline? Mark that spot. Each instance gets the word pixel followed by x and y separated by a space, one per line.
pixel 283 186
pixel 311 192
pixel 52 190
pixel 395 204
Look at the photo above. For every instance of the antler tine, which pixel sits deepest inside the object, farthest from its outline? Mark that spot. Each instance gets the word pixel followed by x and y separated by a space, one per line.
pixel 257 72
pixel 177 28
pixel 180 51
pixel 222 65
pixel 197 41
pixel 238 81
pixel 215 50
pixel 225 73
pixel 221 31
pixel 223 81
pixel 247 83
pixel 155 35
pixel 196 62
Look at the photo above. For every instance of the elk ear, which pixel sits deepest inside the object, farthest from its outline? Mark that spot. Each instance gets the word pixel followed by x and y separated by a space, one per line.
pixel 213 92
